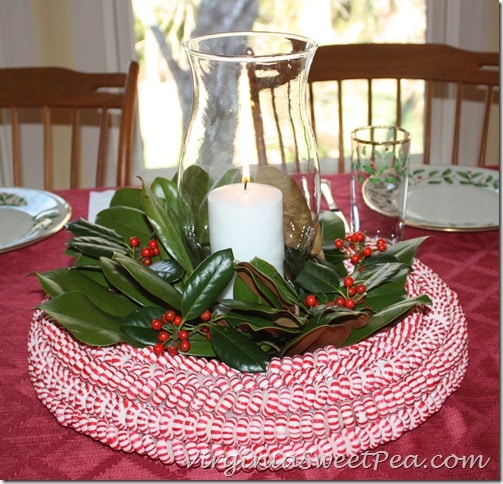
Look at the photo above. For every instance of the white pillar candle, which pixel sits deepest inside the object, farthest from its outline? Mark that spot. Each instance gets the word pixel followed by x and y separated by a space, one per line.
pixel 249 221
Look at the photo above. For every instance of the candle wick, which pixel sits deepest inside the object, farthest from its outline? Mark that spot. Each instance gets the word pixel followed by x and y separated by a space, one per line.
pixel 246 183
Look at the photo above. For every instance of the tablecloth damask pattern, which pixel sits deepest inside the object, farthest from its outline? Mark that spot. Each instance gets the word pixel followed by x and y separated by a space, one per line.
pixel 459 442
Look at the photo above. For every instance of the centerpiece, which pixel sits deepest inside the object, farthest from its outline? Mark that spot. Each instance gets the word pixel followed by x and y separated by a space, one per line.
pixel 219 319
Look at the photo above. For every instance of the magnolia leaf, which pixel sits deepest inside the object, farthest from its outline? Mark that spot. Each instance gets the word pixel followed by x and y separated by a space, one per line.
pixel 96 246
pixel 318 337
pixel 381 274
pixel 285 290
pixel 150 281
pixel 166 191
pixel 256 322
pixel 82 227
pixel 296 214
pixel 122 281
pixel 192 207
pixel 127 197
pixel 405 250
pixel 137 325
pixel 60 281
pixel 200 346
pixel 331 227
pixel 237 350
pixel 206 282
pixel 167 229
pixel 385 317
pixel 318 278
pixel 169 270
pixel 260 284
pixel 84 320
pixel 126 221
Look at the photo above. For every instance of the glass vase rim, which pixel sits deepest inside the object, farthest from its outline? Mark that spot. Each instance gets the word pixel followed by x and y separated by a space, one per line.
pixel 406 135
pixel 310 46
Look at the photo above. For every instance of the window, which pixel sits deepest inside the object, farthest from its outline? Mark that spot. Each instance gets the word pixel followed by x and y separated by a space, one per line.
pixel 165 85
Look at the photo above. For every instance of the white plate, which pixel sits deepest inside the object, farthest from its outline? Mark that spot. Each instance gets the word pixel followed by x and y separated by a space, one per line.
pixel 27 216
pixel 453 198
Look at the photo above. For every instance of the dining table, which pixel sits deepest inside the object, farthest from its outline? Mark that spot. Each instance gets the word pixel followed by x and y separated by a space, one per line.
pixel 461 441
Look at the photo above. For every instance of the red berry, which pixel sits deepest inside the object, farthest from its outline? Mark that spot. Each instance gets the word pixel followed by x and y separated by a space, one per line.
pixel 340 301
pixel 351 291
pixel 134 241
pixel 156 251
pixel 177 321
pixel 152 243
pixel 156 324
pixel 183 335
pixel 163 335
pixel 330 303
pixel 360 288
pixel 358 237
pixel 350 304
pixel 348 281
pixel 382 247
pixel 168 316
pixel 158 349
pixel 206 316
pixel 311 301
pixel 367 251
pixel 184 345
pixel 146 261
pixel 355 259
pixel 172 350
pixel 339 243
pixel 146 252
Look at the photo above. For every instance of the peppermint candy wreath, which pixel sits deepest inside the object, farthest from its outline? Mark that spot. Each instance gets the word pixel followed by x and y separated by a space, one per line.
pixel 303 411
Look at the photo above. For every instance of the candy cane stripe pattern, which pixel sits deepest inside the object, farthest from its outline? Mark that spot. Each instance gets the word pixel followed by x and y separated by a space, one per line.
pixel 329 404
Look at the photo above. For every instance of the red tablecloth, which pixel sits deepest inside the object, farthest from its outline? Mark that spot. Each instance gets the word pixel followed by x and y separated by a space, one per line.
pixel 461 441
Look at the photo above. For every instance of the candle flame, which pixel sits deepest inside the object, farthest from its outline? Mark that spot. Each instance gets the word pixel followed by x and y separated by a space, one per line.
pixel 246 174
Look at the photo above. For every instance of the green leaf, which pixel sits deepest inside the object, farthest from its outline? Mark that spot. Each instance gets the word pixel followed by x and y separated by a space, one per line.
pixel 137 325
pixel 126 221
pixel 237 350
pixel 150 281
pixel 127 197
pixel 379 274
pixel 60 281
pixel 96 246
pixel 284 289
pixel 405 251
pixel 82 227
pixel 166 191
pixel 169 270
pixel 385 317
pixel 200 346
pixel 167 228
pixel 122 281
pixel 332 227
pixel 84 320
pixel 206 283
pixel 318 278
pixel 262 319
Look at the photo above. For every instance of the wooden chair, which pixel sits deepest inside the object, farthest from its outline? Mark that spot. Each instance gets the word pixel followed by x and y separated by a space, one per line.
pixel 64 96
pixel 472 76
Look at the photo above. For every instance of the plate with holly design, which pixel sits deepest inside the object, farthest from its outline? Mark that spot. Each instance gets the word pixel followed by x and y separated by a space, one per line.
pixel 28 215
pixel 453 198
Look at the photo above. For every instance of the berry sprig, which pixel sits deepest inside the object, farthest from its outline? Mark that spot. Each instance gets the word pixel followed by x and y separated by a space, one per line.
pixel 357 248
pixel 172 338
pixel 146 253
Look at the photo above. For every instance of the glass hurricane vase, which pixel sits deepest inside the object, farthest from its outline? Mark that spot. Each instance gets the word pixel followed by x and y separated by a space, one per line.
pixel 249 126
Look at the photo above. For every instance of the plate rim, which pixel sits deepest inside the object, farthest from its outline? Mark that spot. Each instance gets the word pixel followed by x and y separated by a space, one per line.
pixel 452 228
pixel 66 215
